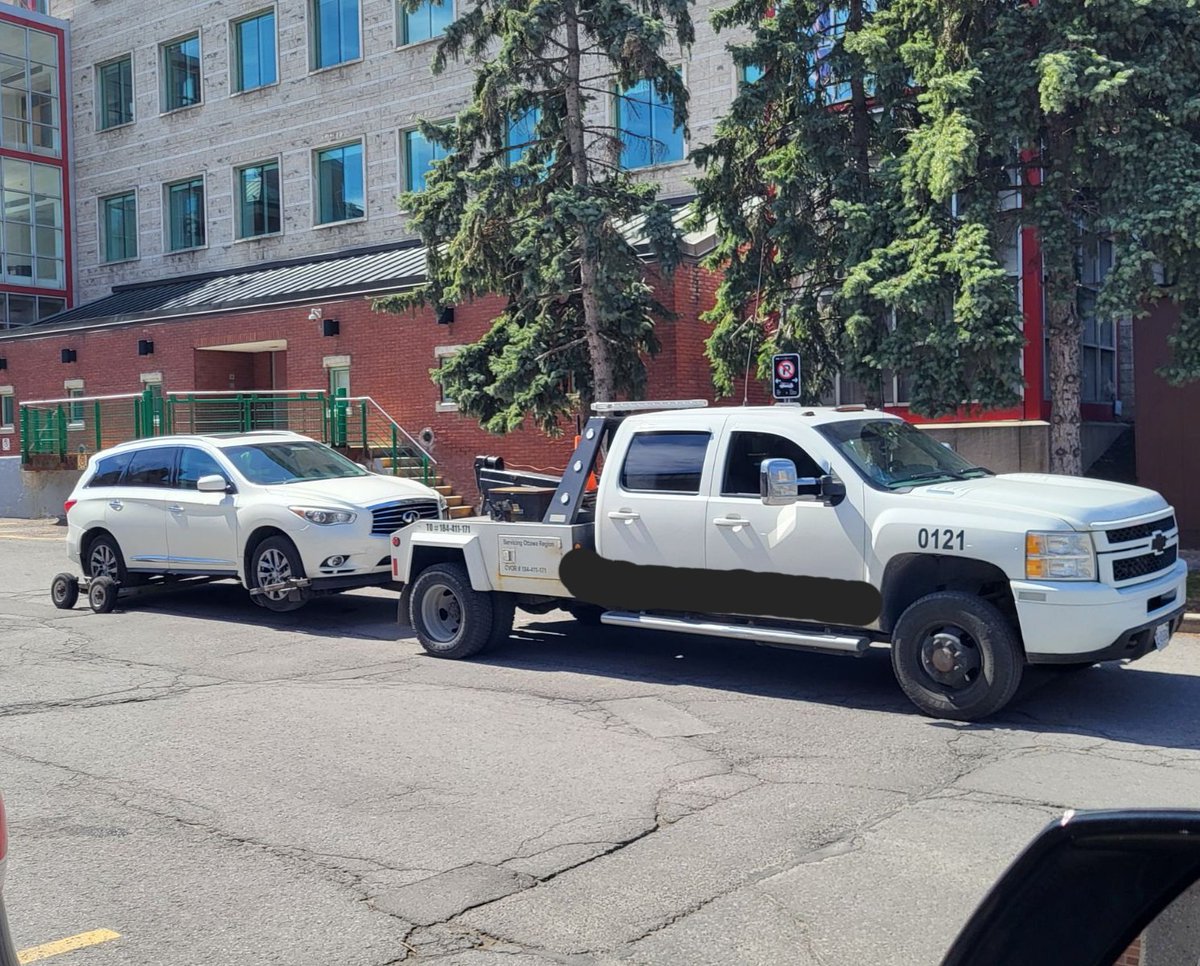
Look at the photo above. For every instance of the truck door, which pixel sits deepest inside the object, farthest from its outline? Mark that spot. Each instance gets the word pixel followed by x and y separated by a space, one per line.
pixel 653 511
pixel 806 538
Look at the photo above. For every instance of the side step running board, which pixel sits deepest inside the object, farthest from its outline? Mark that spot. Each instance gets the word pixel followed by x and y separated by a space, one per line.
pixel 774 636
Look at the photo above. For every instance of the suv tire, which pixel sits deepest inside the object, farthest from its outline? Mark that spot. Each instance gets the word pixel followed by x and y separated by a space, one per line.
pixel 276 558
pixel 956 656
pixel 104 559
pixel 451 619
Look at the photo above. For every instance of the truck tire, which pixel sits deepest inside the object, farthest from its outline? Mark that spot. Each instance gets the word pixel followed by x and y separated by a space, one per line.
pixel 451 619
pixel 277 559
pixel 956 656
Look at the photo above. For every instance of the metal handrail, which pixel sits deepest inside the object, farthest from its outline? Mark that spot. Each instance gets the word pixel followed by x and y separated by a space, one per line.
pixel 384 413
pixel 231 393
pixel 78 399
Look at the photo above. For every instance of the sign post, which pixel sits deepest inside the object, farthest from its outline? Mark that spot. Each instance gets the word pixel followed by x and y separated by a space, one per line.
pixel 785 376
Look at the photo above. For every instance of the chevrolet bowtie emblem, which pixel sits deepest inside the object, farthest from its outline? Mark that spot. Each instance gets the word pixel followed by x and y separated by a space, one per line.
pixel 1159 543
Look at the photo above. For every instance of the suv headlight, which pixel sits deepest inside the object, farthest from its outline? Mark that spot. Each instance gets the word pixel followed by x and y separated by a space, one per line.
pixel 1059 555
pixel 322 516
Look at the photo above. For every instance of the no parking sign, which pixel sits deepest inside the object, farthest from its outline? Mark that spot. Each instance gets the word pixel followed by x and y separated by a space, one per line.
pixel 785 372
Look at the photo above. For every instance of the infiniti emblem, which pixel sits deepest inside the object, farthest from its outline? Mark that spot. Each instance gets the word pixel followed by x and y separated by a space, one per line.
pixel 409 516
pixel 1159 543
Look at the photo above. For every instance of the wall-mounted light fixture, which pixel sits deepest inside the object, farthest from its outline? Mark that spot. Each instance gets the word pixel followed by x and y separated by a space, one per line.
pixel 145 347
pixel 314 314
pixel 331 326
pixel 445 315
pixel 68 355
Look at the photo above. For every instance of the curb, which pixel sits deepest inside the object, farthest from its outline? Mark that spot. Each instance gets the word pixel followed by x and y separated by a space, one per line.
pixel 1190 625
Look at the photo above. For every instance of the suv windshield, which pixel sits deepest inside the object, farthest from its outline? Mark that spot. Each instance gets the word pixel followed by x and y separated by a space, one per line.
pixel 267 463
pixel 891 453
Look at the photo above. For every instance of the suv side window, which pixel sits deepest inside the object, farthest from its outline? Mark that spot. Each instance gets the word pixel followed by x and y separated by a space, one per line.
pixel 669 462
pixel 109 470
pixel 746 453
pixel 150 467
pixel 193 464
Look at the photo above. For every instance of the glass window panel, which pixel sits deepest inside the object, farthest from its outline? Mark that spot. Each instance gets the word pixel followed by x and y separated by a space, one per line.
pixel 1089 374
pixel 50 271
pixel 340 194
pixel 258 200
pixel 43 79
pixel 181 73
pixel 120 227
pixel 47 181
pixel 150 467
pixel 522 132
pixel 419 155
pixel 22 310
pixel 185 214
pixel 665 462
pixel 47 307
pixel 751 73
pixel 45 139
pixel 16 175
pixel 14 74
pixel 6 409
pixel 18 268
pixel 254 42
pixel 646 121
pixel 43 108
pixel 16 134
pixel 43 47
pixel 116 93
pixel 16 206
pixel 335 32
pixel 14 102
pixel 430 20
pixel 193 464
pixel 1107 334
pixel 48 242
pixel 18 237
pixel 12 39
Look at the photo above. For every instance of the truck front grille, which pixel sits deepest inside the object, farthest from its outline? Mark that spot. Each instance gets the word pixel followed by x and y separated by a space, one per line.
pixel 1141 531
pixel 390 517
pixel 1148 563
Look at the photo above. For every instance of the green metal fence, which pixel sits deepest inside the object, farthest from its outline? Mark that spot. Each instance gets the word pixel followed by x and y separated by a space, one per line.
pixel 64 428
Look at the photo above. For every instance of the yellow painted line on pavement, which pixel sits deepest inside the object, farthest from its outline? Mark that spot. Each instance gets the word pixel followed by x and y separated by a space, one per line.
pixel 70 944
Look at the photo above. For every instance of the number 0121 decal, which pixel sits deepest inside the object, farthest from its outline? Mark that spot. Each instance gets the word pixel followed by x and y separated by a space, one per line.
pixel 941 539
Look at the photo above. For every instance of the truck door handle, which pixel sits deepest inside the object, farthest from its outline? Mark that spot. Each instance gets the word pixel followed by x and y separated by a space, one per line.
pixel 730 522
pixel 175 508
pixel 626 515
pixel 115 504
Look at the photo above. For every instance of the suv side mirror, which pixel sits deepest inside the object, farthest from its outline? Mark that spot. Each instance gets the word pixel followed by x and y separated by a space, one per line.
pixel 780 486
pixel 213 484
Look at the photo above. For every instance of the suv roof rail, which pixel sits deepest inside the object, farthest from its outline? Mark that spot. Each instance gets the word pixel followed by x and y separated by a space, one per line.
pixel 648 405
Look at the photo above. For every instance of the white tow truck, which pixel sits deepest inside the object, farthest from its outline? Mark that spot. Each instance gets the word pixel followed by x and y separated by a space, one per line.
pixel 824 529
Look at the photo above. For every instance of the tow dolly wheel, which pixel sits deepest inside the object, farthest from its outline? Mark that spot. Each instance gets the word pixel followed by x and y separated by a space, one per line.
pixel 64 591
pixel 102 595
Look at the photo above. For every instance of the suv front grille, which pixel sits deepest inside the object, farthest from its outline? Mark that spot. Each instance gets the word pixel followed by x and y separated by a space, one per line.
pixel 390 517
pixel 1143 566
pixel 1141 531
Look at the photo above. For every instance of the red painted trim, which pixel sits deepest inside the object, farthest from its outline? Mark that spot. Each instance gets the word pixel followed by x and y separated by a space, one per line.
pixel 1097 412
pixel 967 414
pixel 14 289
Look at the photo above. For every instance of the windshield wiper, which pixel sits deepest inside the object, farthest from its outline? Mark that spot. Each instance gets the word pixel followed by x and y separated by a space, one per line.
pixel 942 474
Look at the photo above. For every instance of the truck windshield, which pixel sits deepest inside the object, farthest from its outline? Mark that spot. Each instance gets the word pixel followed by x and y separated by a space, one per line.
pixel 891 453
pixel 268 463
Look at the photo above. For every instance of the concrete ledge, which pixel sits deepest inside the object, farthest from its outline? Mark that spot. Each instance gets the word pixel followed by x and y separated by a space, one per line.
pixel 1190 625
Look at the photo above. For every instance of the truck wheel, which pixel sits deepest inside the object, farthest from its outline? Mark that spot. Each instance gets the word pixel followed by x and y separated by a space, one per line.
pixel 956 656
pixel 64 591
pixel 450 618
pixel 102 595
pixel 273 561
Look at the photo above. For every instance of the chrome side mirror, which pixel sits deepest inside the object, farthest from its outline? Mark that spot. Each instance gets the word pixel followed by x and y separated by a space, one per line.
pixel 780 486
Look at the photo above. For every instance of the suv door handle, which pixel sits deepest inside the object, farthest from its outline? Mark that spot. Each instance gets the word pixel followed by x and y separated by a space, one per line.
pixel 626 515
pixel 731 522
pixel 175 508
pixel 115 504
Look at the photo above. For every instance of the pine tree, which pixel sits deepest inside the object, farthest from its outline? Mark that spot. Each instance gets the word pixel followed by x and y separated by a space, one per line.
pixel 531 202
pixel 1086 115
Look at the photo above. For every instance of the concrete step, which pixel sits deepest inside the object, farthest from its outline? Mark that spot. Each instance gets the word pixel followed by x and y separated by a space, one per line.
pixel 454 501
pixel 457 512
pixel 445 489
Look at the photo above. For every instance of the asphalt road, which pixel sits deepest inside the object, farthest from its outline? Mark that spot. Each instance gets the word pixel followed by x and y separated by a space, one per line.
pixel 216 784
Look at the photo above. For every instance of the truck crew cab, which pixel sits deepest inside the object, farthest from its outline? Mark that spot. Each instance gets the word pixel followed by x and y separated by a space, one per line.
pixel 975 574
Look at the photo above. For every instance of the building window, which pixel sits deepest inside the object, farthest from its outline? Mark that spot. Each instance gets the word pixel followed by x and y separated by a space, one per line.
pixel 254 52
pixel 75 409
pixel 830 30
pixel 340 184
pixel 33 224
pixel 335 35
pixel 1099 350
pixel 522 134
pixel 185 215
pixel 750 74
pixel 426 22
pixel 7 409
pixel 118 227
pixel 646 122
pixel 114 93
pixel 258 200
pixel 181 73
pixel 443 354
pixel 29 98
pixel 18 310
pixel 419 155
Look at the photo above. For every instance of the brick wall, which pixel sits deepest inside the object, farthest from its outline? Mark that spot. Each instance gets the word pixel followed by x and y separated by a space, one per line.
pixel 1132 956
pixel 390 358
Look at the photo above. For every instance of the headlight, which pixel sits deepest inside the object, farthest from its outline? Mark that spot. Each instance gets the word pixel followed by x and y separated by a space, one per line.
pixel 1059 555
pixel 323 517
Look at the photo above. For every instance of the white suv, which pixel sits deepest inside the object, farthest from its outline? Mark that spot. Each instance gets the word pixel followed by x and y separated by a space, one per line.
pixel 286 515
